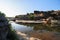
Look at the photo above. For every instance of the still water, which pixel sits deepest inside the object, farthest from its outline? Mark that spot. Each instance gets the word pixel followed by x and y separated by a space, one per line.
pixel 21 28
pixel 34 27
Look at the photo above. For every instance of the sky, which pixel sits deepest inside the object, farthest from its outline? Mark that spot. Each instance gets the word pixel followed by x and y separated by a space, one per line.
pixel 21 7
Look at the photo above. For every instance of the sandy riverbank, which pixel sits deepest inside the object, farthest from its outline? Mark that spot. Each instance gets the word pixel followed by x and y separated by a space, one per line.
pixel 28 21
pixel 39 36
pixel 23 36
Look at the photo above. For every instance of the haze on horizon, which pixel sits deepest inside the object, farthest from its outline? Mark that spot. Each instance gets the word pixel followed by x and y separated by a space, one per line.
pixel 20 7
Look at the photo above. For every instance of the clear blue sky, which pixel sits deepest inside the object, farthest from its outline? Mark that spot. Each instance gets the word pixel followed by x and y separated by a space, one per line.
pixel 20 7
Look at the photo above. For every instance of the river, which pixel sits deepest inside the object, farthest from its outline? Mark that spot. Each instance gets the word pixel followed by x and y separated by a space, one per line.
pixel 37 29
pixel 33 27
pixel 21 28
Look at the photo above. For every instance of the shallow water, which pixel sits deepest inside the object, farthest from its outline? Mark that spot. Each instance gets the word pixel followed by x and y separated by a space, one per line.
pixel 34 27
pixel 21 28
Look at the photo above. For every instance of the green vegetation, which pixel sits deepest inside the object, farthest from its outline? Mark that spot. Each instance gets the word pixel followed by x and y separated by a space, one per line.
pixel 47 16
pixel 38 15
pixel 6 30
pixel 46 27
pixel 31 16
pixel 12 34
pixel 2 14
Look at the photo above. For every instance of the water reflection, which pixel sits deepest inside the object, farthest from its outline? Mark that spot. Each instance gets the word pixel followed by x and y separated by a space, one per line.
pixel 48 27
pixel 21 28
